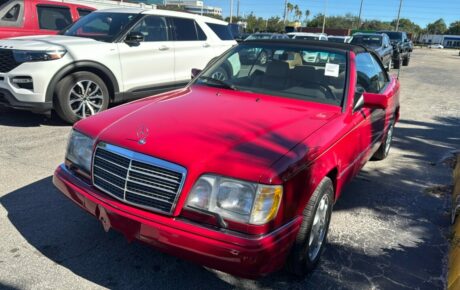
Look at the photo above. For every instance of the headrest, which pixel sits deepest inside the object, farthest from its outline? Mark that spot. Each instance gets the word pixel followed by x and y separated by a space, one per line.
pixel 277 69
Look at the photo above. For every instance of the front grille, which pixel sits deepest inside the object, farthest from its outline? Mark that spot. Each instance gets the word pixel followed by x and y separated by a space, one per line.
pixel 136 178
pixel 7 61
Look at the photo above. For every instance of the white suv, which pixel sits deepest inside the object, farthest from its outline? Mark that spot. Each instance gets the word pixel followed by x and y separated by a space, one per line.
pixel 108 56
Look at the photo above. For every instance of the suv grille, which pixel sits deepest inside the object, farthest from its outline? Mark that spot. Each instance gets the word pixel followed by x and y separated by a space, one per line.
pixel 137 179
pixel 7 61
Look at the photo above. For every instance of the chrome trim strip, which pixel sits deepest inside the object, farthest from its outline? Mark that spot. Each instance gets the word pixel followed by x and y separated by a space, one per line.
pixel 111 162
pixel 149 185
pixel 148 160
pixel 154 175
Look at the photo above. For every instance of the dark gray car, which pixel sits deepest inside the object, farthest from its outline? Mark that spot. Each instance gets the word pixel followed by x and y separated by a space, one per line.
pixel 380 42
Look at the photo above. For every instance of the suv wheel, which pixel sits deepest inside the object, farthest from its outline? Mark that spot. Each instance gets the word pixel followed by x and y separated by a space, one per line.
pixel 312 234
pixel 397 63
pixel 80 95
pixel 406 60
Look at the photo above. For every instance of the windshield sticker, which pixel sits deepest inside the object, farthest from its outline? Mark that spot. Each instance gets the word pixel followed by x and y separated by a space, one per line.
pixel 332 70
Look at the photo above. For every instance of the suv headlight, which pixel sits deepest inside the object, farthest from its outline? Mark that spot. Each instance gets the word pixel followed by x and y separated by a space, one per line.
pixel 37 55
pixel 236 200
pixel 80 150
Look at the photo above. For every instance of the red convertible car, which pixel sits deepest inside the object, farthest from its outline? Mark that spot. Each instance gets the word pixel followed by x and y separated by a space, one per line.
pixel 238 171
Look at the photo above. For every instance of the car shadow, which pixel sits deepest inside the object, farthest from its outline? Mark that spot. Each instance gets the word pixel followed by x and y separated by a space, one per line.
pixel 20 118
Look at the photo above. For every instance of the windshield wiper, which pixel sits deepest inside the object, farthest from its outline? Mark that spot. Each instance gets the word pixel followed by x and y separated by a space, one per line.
pixel 217 82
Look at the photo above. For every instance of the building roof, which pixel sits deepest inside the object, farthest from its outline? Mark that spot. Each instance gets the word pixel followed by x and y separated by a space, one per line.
pixel 313 43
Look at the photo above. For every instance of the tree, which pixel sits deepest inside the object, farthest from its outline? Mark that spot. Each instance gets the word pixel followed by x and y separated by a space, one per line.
pixel 297 13
pixel 275 24
pixel 437 27
pixel 289 8
pixel 454 28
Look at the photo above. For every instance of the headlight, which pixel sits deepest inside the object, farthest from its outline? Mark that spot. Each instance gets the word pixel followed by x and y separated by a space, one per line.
pixel 37 55
pixel 80 150
pixel 236 200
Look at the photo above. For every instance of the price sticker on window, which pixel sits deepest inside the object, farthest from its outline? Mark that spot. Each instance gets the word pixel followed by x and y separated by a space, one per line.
pixel 331 70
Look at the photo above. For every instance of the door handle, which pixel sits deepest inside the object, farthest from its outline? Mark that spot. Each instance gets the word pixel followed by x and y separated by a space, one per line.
pixel 163 47
pixel 206 45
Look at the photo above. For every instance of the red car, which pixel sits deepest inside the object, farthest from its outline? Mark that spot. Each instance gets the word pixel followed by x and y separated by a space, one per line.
pixel 37 17
pixel 239 170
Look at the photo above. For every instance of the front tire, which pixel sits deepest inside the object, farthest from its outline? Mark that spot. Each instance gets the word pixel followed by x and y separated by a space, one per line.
pixel 406 60
pixel 80 95
pixel 384 148
pixel 311 238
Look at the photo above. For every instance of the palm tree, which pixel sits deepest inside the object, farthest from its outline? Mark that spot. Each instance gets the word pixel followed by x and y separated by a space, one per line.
pixel 289 9
pixel 297 12
pixel 307 13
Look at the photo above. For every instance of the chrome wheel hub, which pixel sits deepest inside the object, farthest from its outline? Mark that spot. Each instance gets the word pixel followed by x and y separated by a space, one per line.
pixel 218 76
pixel 318 228
pixel 389 139
pixel 86 98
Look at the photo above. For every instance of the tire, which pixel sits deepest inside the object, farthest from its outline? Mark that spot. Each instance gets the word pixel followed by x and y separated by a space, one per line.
pixel 220 74
pixel 389 65
pixel 384 148
pixel 397 63
pixel 74 102
pixel 406 60
pixel 303 257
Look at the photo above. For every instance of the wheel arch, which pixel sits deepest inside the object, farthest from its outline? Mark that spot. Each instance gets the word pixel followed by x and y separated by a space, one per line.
pixel 94 67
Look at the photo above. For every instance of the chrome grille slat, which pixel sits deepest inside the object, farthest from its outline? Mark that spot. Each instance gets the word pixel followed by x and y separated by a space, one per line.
pixel 136 178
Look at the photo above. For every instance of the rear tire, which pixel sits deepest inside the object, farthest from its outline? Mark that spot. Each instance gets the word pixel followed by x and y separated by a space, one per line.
pixel 397 63
pixel 310 241
pixel 384 148
pixel 80 95
pixel 406 61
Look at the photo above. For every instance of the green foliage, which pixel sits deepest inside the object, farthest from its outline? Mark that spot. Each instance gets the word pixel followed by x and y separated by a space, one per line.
pixel 454 28
pixel 437 27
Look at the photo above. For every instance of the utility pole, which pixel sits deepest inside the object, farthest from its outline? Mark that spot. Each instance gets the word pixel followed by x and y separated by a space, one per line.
pixel 399 14
pixel 324 16
pixel 231 11
pixel 238 9
pixel 360 11
pixel 285 12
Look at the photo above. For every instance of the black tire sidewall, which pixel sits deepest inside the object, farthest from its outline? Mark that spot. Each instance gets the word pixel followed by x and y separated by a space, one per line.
pixel 62 92
pixel 299 262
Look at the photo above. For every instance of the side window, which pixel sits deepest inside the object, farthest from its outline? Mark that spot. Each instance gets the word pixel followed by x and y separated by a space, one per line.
pixel 83 12
pixel 11 13
pixel 53 17
pixel 154 28
pixel 371 77
pixel 222 31
pixel 187 30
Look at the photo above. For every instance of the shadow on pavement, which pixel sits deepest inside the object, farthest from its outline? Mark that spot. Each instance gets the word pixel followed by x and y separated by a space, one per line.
pixel 19 118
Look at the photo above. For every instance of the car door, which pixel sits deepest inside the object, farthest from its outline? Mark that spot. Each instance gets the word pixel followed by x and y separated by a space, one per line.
pixel 148 65
pixel 12 19
pixel 223 39
pixel 191 47
pixel 371 78
pixel 388 49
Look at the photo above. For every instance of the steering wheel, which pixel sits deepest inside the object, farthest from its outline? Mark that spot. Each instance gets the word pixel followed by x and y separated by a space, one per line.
pixel 325 90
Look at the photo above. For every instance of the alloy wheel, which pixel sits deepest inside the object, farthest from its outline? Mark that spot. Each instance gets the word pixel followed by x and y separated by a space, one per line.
pixel 86 98
pixel 319 228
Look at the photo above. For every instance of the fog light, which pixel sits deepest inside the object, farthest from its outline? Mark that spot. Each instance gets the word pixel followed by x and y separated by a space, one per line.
pixel 23 82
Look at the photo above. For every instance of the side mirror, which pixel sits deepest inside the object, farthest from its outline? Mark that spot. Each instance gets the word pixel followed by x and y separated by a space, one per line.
pixel 375 100
pixel 359 98
pixel 134 38
pixel 195 72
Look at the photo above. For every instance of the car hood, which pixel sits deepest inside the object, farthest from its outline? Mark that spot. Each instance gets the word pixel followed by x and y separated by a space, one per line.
pixel 210 130
pixel 44 42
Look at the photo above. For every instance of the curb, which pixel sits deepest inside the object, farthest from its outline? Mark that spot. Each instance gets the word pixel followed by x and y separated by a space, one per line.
pixel 453 274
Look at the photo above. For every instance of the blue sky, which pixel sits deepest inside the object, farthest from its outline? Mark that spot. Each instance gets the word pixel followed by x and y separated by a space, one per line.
pixel 419 11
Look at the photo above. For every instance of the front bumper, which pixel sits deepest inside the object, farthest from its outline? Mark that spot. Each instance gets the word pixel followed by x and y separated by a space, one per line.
pixel 7 99
pixel 243 255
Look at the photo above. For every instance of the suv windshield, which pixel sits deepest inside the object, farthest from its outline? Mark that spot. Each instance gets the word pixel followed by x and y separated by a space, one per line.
pixel 259 36
pixel 297 72
pixel 367 40
pixel 394 35
pixel 101 26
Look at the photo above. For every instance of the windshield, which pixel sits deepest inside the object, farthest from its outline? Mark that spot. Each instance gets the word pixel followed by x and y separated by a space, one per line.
pixel 394 35
pixel 101 26
pixel 367 40
pixel 297 72
pixel 259 36
pixel 308 37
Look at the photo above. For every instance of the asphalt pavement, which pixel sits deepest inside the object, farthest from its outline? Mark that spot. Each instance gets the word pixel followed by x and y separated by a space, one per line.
pixel 389 229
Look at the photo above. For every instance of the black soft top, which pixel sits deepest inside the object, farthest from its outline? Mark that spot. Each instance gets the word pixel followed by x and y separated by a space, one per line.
pixel 345 47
